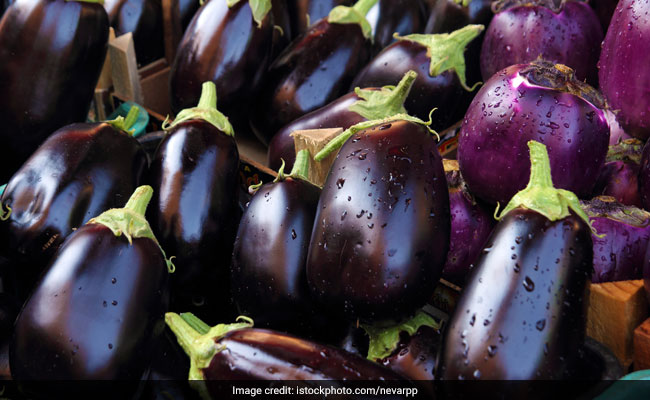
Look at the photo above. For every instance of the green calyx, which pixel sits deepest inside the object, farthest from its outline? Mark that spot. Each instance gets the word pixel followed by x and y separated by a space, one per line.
pixel 4 215
pixel 626 150
pixel 338 142
pixel 447 50
pixel 353 15
pixel 541 196
pixel 259 8
pixel 300 168
pixel 384 339
pixel 201 347
pixel 463 3
pixel 389 100
pixel 130 221
pixel 126 124
pixel 206 110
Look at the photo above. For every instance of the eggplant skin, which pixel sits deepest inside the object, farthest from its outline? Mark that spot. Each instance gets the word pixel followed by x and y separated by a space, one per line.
pixel 96 314
pixel 80 171
pixel 194 212
pixel 522 33
pixel 644 177
pixel 623 70
pixel 49 70
pixel 522 316
pixel 382 228
pixel 268 277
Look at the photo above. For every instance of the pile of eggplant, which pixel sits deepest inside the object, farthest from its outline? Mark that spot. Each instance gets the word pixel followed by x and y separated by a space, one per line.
pixel 149 260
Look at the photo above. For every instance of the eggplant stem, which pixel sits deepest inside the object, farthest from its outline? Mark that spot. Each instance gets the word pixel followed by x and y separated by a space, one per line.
pixel 300 168
pixel 196 323
pixel 126 124
pixel 140 200
pixel 378 104
pixel 206 111
pixel 363 6
pixel 4 216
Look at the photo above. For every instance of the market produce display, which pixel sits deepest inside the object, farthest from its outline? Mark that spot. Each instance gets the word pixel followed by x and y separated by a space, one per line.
pixel 363 199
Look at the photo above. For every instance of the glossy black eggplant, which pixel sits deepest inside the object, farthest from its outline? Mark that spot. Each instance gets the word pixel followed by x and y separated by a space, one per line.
pixel 81 170
pixel 143 18
pixel 440 63
pixel 239 352
pixel 382 228
pixel 195 209
pixel 230 46
pixel 186 11
pixel 150 142
pixel 98 311
pixel 267 274
pixel 522 315
pixel 306 12
pixel 395 16
pixel 314 70
pixel 358 106
pixel 51 54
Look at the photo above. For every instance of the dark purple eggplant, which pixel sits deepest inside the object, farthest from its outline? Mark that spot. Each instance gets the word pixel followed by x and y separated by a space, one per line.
pixel 395 16
pixel 230 46
pixel 471 225
pixel 306 12
pixel 618 255
pixel 268 278
pixel 351 109
pixel 144 19
pixel 619 176
pixel 98 311
pixel 81 170
pixel 622 69
pixel 314 70
pixel 537 101
pixel 150 142
pixel 521 315
pixel 283 33
pixel 186 11
pixel 195 208
pixel 566 32
pixel 382 227
pixel 440 64
pixel 644 177
pixel 51 54
pixel 237 352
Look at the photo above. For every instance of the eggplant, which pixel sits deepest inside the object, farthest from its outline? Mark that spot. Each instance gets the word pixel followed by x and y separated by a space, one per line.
pixel 623 72
pixel 616 133
pixel 566 32
pixel 619 176
pixel 51 55
pixel 644 177
pixel 236 352
pixel 646 274
pixel 382 227
pixel 143 18
pixel 351 109
pixel 4 5
pixel 267 273
pixel 150 142
pixel 618 256
pixel 80 171
pixel 186 11
pixel 306 12
pixel 195 208
pixel 538 101
pixel 440 64
pixel 395 16
pixel 227 44
pixel 98 311
pixel 522 315
pixel 314 70
pixel 471 225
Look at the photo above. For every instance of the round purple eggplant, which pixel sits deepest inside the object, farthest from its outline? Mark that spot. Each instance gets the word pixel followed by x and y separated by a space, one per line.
pixel 521 315
pixel 522 31
pixel 229 45
pixel 267 274
pixel 144 19
pixel 80 171
pixel 618 255
pixel 471 225
pixel 351 109
pixel 382 227
pixel 623 70
pixel 538 101
pixel 51 55
pixel 440 63
pixel 195 209
pixel 388 17
pixel 314 70
pixel 98 311
pixel 306 12
pixel 619 176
